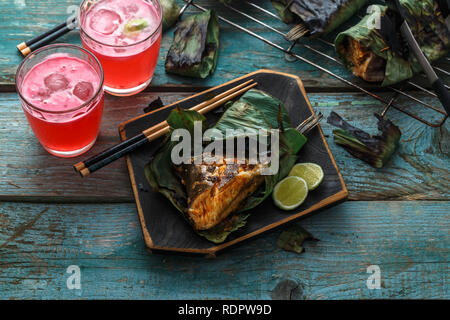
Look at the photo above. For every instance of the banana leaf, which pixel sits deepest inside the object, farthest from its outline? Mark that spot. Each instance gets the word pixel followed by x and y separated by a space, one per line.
pixel 375 51
pixel 171 12
pixel 375 150
pixel 319 16
pixel 254 110
pixel 292 239
pixel 195 47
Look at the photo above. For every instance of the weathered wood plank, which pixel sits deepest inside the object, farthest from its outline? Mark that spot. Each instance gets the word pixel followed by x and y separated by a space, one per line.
pixel 420 169
pixel 407 240
pixel 31 173
pixel 239 53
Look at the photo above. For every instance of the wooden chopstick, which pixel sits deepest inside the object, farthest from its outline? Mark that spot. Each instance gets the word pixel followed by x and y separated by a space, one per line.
pixel 27 47
pixel 106 157
pixel 89 162
pixel 152 135
pixel 28 43
pixel 201 105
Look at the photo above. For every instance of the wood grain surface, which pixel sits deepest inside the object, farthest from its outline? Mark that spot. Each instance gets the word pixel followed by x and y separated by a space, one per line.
pixel 414 173
pixel 239 52
pixel 39 242
pixel 50 218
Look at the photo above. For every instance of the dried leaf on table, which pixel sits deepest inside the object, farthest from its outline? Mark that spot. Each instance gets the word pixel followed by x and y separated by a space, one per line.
pixel 375 150
pixel 292 239
pixel 154 105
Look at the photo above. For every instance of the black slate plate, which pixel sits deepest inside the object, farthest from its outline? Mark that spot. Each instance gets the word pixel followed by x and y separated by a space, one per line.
pixel 163 226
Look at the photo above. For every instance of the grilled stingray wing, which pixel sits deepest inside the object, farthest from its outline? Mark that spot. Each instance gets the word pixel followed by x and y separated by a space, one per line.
pixel 216 190
pixel 376 52
pixel 363 62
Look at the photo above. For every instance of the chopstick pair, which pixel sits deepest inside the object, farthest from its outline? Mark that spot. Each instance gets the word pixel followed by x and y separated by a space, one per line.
pixel 45 38
pixel 106 157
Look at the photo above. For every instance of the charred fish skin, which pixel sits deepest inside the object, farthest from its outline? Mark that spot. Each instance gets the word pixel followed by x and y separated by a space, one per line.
pixel 216 190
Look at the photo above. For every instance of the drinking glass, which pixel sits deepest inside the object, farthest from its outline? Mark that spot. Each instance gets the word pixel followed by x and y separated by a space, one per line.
pixel 65 125
pixel 128 62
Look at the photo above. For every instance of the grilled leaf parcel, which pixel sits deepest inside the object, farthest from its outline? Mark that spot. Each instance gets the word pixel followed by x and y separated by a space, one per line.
pixel 171 12
pixel 195 47
pixel 375 150
pixel 215 198
pixel 377 53
pixel 319 16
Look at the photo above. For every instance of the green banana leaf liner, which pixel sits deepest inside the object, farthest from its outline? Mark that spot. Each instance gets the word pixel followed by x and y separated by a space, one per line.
pixel 171 12
pixel 254 110
pixel 195 46
pixel 428 27
pixel 320 16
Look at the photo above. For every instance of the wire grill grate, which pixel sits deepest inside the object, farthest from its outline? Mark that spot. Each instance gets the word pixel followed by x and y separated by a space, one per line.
pixel 289 51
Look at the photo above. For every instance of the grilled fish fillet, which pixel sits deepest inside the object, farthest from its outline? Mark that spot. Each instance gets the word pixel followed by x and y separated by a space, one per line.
pixel 216 190
pixel 365 64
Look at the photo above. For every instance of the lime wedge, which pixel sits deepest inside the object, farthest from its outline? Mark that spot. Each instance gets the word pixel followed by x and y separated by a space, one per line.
pixel 290 192
pixel 135 25
pixel 312 173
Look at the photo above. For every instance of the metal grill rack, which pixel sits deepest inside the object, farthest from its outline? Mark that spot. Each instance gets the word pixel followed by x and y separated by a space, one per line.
pixel 289 52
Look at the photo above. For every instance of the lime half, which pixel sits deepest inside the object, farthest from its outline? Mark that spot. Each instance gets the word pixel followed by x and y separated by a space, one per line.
pixel 290 192
pixel 312 173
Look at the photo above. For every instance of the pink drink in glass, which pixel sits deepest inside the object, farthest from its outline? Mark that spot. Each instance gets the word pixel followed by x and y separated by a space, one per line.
pixel 125 35
pixel 61 88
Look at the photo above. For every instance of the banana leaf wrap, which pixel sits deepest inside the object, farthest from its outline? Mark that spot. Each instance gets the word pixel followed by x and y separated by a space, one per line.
pixel 377 53
pixel 320 16
pixel 171 12
pixel 375 150
pixel 254 110
pixel 195 47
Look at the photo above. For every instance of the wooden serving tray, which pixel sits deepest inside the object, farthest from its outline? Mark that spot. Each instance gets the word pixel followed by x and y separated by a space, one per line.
pixel 165 229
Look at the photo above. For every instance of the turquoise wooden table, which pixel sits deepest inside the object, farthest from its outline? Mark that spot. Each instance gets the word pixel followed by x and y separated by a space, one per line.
pixel 396 219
